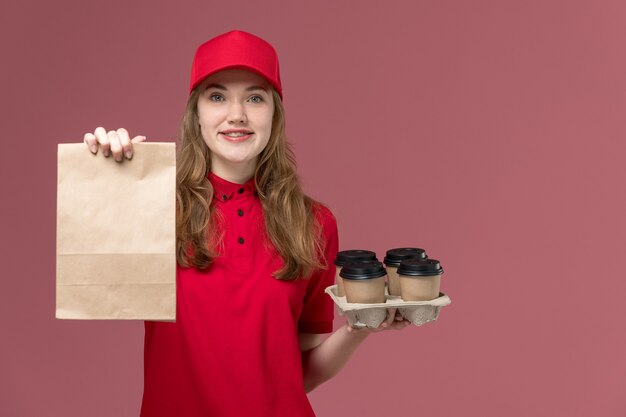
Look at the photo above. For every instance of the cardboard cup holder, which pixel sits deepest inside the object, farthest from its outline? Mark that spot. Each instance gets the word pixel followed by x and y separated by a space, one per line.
pixel 372 315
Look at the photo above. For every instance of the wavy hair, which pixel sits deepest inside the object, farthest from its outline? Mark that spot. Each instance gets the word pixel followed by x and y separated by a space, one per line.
pixel 289 218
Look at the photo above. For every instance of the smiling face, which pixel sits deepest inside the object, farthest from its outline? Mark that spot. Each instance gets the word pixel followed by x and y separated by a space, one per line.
pixel 235 110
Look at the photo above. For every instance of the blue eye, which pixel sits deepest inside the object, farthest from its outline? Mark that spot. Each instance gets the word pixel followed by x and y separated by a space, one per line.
pixel 256 99
pixel 216 97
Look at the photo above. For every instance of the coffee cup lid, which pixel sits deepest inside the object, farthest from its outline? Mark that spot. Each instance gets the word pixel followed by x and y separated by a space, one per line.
pixel 353 255
pixel 397 255
pixel 363 270
pixel 420 267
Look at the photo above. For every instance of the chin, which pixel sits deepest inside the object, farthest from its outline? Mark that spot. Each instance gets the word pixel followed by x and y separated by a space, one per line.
pixel 237 159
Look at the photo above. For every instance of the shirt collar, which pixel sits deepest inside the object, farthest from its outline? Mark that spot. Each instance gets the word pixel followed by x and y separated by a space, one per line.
pixel 224 190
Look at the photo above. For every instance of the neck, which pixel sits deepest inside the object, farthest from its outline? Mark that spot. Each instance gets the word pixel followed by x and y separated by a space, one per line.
pixel 236 172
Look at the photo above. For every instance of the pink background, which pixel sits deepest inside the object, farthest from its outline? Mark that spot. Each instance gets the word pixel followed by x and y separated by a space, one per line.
pixel 490 133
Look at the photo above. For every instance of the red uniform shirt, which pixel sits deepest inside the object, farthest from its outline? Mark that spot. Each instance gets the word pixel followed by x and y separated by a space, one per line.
pixel 233 350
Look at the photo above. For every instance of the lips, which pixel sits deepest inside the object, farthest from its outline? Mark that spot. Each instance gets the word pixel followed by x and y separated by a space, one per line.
pixel 236 135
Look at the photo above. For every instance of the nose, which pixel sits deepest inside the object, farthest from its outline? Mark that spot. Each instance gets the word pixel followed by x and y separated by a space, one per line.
pixel 237 113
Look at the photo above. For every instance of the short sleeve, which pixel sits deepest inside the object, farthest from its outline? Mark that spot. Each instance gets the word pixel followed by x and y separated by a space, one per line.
pixel 318 309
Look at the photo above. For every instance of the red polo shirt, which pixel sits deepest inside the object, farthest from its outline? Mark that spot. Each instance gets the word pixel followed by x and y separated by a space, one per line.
pixel 233 350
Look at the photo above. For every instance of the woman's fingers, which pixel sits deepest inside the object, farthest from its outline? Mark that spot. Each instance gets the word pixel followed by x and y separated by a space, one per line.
pixel 116 142
pixel 103 140
pixel 127 148
pixel 127 143
pixel 391 316
pixel 116 145
pixel 92 142
pixel 395 325
pixel 399 316
pixel 138 139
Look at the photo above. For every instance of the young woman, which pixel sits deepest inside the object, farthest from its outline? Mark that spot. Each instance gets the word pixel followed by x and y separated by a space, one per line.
pixel 254 252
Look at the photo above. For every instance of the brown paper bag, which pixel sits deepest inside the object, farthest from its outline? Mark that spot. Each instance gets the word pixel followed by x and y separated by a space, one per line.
pixel 116 234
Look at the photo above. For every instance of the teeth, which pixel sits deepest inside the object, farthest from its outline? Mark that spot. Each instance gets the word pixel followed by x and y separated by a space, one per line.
pixel 236 134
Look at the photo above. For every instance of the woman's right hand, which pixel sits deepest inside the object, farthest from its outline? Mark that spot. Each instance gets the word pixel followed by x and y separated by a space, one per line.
pixel 116 142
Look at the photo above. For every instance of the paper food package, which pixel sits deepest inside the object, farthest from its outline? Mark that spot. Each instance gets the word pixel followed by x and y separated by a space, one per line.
pixel 116 234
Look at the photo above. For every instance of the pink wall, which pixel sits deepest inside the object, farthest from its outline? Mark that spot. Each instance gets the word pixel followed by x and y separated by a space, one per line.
pixel 489 132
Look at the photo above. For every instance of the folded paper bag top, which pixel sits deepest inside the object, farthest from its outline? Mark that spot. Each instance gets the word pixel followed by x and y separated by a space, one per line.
pixel 116 234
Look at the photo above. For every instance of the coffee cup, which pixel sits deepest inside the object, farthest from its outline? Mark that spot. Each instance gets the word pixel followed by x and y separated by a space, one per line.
pixel 392 261
pixel 349 256
pixel 364 282
pixel 420 279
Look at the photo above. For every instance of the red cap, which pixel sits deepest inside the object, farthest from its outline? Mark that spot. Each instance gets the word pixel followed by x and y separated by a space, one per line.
pixel 236 49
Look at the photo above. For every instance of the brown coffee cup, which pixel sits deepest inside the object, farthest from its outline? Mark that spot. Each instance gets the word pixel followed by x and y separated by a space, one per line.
pixel 364 282
pixel 392 260
pixel 349 256
pixel 420 279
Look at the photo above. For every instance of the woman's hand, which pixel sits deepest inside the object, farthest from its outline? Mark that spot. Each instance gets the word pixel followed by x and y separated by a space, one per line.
pixel 394 321
pixel 116 142
pixel 324 360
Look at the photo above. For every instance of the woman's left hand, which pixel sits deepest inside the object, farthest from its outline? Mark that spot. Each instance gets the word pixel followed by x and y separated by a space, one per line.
pixel 394 321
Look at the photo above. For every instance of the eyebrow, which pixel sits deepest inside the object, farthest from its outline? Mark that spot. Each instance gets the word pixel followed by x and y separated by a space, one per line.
pixel 221 87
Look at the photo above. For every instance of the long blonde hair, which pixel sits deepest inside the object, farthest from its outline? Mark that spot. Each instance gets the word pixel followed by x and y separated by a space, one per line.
pixel 289 213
